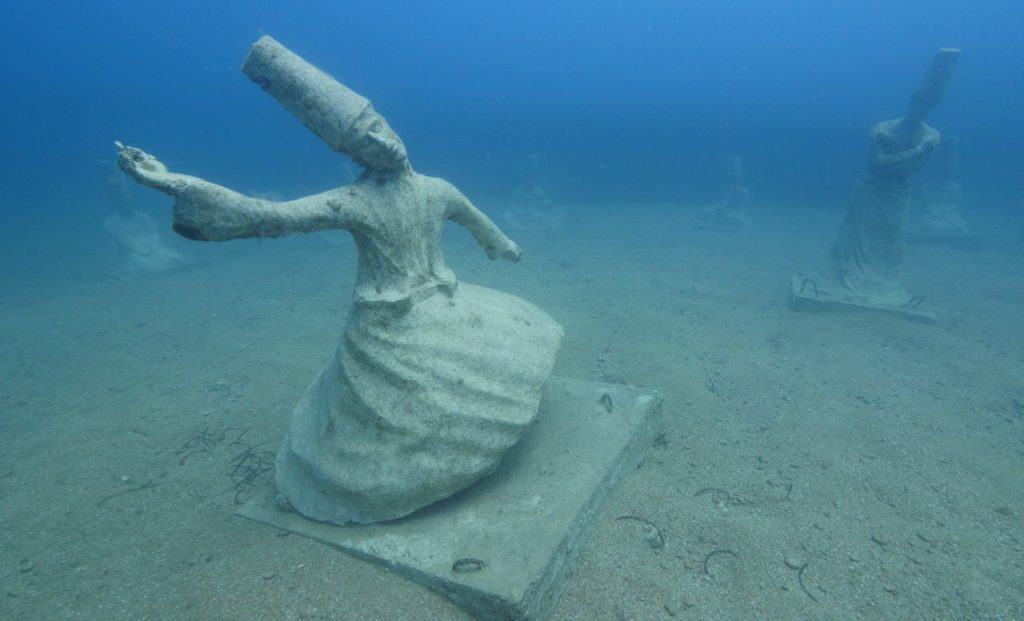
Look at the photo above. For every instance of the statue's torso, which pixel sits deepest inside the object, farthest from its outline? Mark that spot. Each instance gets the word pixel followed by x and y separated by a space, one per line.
pixel 397 229
pixel 890 138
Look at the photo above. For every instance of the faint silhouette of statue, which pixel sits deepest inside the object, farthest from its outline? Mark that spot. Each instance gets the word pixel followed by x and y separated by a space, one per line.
pixel 939 220
pixel 729 211
pixel 868 253
pixel 142 248
pixel 530 208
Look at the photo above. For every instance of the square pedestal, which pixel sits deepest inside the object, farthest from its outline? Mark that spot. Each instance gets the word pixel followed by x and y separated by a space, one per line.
pixel 499 549
pixel 808 295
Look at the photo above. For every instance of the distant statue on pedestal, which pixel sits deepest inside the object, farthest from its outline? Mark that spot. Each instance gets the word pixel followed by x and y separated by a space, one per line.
pixel 433 380
pixel 729 210
pixel 939 221
pixel 142 248
pixel 531 209
pixel 868 252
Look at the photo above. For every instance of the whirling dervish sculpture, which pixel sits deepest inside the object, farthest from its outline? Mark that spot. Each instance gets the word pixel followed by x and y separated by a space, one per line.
pixel 433 379
pixel 868 252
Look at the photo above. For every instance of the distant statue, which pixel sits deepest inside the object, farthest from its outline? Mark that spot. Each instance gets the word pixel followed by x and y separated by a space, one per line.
pixel 141 245
pixel 433 379
pixel 530 208
pixel 729 210
pixel 868 252
pixel 939 220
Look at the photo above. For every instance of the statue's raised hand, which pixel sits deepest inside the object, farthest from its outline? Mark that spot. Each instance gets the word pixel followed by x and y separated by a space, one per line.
pixel 146 169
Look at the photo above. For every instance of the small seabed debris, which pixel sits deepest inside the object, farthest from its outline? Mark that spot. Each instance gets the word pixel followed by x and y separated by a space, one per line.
pixel 606 402
pixel 722 497
pixel 718 494
pixel 201 442
pixel 249 468
pixel 652 534
pixel 717 552
pixel 467 565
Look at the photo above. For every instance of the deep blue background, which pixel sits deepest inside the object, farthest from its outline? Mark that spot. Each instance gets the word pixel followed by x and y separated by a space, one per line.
pixel 636 99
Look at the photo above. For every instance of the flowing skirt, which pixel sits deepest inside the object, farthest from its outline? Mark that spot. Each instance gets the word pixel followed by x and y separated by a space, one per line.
pixel 868 253
pixel 416 405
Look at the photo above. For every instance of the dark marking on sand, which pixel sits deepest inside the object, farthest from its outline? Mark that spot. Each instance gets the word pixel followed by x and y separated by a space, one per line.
pixel 200 442
pixel 146 485
pixel 800 581
pixel 249 467
pixel 717 552
pixel 717 494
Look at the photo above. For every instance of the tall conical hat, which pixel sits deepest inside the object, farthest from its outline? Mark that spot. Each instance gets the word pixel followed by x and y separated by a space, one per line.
pixel 314 97
pixel 932 88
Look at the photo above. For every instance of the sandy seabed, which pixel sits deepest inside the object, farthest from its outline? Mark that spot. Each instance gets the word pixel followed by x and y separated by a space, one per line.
pixel 813 465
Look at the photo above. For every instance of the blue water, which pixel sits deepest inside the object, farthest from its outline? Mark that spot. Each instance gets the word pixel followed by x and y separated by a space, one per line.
pixel 617 99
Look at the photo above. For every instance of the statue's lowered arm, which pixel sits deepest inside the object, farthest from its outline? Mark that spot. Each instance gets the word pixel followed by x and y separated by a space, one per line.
pixel 209 212
pixel 458 208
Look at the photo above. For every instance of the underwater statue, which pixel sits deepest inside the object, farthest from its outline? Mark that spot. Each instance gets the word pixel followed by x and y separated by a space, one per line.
pixel 143 251
pixel 939 221
pixel 433 379
pixel 530 208
pixel 868 252
pixel 729 210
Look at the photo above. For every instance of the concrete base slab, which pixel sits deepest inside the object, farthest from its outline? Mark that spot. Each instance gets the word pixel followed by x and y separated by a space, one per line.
pixel 499 549
pixel 808 295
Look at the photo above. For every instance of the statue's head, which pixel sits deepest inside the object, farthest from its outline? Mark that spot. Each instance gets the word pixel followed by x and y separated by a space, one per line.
pixel 373 144
pixel 341 117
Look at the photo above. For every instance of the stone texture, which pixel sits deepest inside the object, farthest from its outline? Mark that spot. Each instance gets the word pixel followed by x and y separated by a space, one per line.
pixel 525 523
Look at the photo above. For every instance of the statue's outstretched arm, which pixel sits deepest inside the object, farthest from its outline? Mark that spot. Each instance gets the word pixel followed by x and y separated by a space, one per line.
pixel 209 212
pixel 458 208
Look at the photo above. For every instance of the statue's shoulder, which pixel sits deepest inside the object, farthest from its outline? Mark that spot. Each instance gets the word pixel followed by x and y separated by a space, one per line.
pixel 434 186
